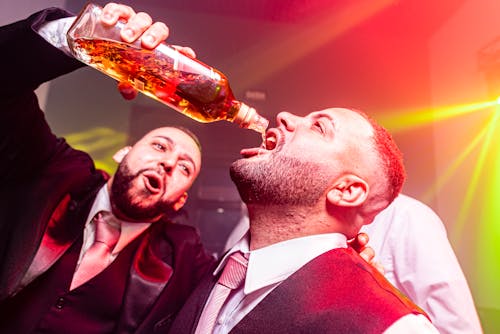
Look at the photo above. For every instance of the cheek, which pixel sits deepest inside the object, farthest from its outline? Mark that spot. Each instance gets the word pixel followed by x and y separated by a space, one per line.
pixel 179 184
pixel 312 151
pixel 132 162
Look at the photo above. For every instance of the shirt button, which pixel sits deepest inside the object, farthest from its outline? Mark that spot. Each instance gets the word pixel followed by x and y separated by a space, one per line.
pixel 60 303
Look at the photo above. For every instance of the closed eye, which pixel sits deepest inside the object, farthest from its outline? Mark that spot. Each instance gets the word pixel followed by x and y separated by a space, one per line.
pixel 318 126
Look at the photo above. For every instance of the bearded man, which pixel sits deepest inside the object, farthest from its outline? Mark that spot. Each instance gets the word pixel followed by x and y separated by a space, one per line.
pixel 82 252
pixel 314 182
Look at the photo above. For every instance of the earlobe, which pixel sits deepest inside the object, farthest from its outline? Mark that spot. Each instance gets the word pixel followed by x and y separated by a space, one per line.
pixel 349 190
pixel 180 202
pixel 121 153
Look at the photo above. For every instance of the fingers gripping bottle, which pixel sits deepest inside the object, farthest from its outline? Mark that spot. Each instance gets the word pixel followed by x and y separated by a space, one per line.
pixel 164 74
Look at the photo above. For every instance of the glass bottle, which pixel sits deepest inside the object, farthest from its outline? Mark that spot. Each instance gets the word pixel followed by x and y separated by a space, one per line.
pixel 164 74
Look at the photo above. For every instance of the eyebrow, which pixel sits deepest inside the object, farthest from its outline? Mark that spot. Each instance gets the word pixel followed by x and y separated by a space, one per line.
pixel 184 156
pixel 320 114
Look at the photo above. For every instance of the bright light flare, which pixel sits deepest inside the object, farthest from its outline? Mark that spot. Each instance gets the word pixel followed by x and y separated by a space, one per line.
pixel 401 121
pixel 101 143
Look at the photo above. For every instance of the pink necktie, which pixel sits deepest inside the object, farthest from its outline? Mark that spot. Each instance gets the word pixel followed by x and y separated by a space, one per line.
pixel 97 257
pixel 232 277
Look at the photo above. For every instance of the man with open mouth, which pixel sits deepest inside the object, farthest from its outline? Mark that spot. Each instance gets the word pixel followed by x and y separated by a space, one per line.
pixel 310 187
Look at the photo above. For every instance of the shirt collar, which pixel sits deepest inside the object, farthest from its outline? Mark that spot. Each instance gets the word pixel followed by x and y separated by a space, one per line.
pixel 129 230
pixel 274 263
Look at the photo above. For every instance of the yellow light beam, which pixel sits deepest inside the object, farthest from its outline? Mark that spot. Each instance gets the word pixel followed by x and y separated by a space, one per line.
pixel 396 122
pixel 434 189
pixel 96 139
pixel 471 189
pixel 91 134
pixel 487 225
pixel 101 143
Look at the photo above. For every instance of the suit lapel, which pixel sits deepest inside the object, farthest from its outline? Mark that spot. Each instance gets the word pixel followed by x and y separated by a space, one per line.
pixel 65 225
pixel 187 319
pixel 57 238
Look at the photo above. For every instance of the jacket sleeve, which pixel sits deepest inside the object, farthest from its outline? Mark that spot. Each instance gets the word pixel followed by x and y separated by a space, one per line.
pixel 27 59
pixel 26 141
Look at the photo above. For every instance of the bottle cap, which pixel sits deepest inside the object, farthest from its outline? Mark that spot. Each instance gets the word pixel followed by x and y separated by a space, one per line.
pixel 247 117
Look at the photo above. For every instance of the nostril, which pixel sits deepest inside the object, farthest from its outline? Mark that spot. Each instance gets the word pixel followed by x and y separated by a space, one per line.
pixel 285 119
pixel 165 167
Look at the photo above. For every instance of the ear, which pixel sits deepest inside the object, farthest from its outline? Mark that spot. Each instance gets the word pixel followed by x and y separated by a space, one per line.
pixel 180 202
pixel 118 156
pixel 348 191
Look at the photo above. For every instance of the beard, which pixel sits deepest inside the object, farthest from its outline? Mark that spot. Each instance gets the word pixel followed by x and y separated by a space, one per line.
pixel 280 180
pixel 132 203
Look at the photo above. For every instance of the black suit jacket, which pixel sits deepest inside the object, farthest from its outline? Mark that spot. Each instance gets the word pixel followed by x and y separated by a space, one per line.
pixel 337 292
pixel 47 187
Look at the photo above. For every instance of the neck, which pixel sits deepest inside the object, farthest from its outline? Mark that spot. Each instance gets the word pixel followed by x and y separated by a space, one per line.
pixel 273 224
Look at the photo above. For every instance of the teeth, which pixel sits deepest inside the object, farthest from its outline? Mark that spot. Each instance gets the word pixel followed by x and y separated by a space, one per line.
pixel 270 142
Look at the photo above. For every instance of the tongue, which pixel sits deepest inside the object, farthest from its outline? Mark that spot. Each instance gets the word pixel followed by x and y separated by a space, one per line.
pixel 249 152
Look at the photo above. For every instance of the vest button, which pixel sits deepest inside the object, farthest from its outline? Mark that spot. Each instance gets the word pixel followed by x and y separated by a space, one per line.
pixel 72 205
pixel 60 303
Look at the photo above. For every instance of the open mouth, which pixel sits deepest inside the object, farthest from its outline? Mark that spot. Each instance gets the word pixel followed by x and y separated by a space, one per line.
pixel 153 182
pixel 271 142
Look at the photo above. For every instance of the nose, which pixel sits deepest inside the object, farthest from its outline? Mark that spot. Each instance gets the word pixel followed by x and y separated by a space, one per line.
pixel 168 162
pixel 288 120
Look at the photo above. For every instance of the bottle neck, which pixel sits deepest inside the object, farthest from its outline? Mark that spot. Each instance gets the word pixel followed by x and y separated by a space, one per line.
pixel 248 118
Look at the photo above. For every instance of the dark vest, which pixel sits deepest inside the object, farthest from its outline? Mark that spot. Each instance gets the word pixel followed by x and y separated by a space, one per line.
pixel 47 306
pixel 337 292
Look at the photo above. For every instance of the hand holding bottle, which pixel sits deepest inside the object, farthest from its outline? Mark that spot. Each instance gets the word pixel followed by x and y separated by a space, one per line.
pixel 137 26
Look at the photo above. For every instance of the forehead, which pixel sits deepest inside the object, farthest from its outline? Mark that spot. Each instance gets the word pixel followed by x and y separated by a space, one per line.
pixel 180 139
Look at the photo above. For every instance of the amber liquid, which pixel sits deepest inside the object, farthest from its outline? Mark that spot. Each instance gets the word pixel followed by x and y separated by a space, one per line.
pixel 205 97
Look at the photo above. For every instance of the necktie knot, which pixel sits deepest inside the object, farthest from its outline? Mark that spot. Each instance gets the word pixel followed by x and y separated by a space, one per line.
pixel 106 233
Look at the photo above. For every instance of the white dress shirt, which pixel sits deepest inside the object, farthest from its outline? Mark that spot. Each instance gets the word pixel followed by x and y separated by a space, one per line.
pixel 410 242
pixel 129 230
pixel 55 31
pixel 269 266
